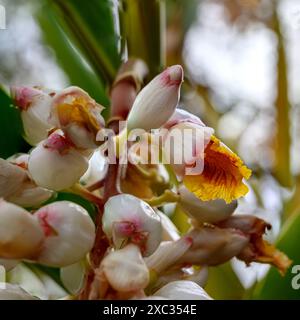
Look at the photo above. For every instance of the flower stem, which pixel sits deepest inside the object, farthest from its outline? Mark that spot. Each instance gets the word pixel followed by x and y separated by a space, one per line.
pixel 167 197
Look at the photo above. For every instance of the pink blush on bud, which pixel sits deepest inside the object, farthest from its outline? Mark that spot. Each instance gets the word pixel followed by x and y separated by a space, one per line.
pixel 44 217
pixel 172 76
pixel 124 228
pixel 23 96
pixel 58 143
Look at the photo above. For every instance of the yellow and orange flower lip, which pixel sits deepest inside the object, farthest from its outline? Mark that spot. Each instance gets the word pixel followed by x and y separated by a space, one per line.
pixel 222 176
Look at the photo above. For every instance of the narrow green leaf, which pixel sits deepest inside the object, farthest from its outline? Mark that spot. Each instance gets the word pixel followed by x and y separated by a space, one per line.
pixel 90 24
pixel 70 60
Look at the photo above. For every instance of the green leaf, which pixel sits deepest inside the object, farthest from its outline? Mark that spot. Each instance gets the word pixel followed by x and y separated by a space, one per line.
pixel 77 69
pixel 223 283
pixel 90 25
pixel 274 286
pixel 11 128
pixel 144 27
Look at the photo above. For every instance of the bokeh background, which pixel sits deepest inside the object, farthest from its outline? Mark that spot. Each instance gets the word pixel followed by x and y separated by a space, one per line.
pixel 243 72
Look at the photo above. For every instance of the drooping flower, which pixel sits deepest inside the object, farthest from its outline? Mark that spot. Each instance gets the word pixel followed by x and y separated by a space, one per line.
pixel 213 246
pixel 258 249
pixel 128 219
pixel 207 167
pixel 35 105
pixel 69 233
pixel 55 163
pixel 21 237
pixel 204 211
pixel 78 115
pixel 156 102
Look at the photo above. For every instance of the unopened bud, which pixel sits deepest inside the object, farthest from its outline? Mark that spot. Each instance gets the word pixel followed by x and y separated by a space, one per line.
pixel 126 219
pixel 35 105
pixel 125 269
pixel 156 102
pixel 182 290
pixel 20 234
pixel 30 195
pixel 11 178
pixel 205 211
pixel 55 164
pixel 69 233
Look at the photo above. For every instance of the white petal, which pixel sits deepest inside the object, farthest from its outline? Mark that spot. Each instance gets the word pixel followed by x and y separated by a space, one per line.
pixel 205 211
pixel 183 290
pixel 14 292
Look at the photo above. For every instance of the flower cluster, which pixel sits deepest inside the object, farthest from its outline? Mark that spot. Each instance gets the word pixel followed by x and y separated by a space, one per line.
pixel 132 250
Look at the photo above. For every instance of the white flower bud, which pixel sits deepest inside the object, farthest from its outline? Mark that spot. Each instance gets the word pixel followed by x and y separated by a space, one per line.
pixel 30 195
pixel 55 164
pixel 182 290
pixel 126 218
pixel 212 246
pixel 11 178
pixel 157 101
pixel 78 115
pixel 167 254
pixel 35 105
pixel 69 233
pixel 14 292
pixel 20 234
pixel 205 211
pixel 125 269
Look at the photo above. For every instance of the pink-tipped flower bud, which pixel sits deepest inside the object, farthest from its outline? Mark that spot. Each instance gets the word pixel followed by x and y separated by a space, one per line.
pixel 35 106
pixel 21 237
pixel 69 233
pixel 55 164
pixel 205 211
pixel 155 104
pixel 126 219
pixel 182 290
pixel 78 115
